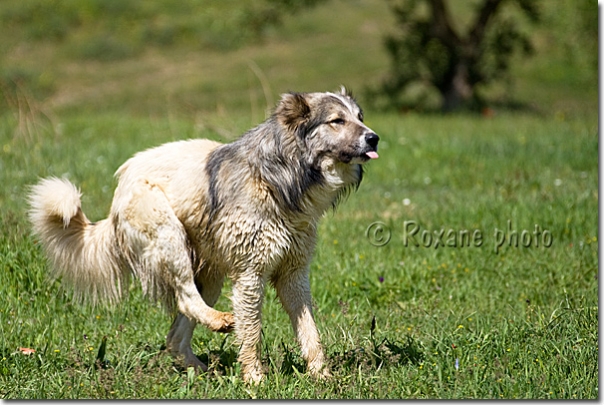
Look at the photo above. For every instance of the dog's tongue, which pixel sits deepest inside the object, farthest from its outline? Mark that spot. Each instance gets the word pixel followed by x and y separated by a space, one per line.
pixel 372 155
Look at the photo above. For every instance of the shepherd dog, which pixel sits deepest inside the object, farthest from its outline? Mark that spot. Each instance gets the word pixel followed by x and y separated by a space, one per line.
pixel 189 213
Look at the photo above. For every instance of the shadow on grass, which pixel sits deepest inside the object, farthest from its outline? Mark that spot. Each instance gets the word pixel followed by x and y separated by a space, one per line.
pixel 369 355
pixel 291 363
pixel 373 356
pixel 219 361
pixel 378 355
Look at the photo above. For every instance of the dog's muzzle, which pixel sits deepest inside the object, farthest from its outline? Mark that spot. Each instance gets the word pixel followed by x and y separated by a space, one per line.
pixel 372 139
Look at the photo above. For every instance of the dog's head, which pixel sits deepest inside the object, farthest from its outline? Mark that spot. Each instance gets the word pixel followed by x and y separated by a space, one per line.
pixel 328 125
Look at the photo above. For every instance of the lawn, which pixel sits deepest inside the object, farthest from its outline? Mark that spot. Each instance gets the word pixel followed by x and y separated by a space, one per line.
pixel 402 314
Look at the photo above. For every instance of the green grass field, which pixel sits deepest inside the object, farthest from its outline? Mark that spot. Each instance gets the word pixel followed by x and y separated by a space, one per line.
pixel 512 321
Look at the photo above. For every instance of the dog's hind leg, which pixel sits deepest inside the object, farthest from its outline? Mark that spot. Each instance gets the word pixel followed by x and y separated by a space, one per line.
pixel 194 307
pixel 181 332
pixel 178 342
pixel 157 250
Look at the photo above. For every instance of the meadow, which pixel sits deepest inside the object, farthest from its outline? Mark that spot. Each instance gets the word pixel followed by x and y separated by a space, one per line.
pixel 399 316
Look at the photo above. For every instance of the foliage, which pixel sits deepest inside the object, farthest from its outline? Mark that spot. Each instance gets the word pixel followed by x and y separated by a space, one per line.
pixel 429 51
pixel 117 57
pixel 19 86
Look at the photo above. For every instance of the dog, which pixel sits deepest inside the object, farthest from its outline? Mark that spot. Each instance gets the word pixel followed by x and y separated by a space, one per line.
pixel 187 214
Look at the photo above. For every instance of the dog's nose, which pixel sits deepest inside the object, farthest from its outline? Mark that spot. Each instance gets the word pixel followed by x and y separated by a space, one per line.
pixel 372 139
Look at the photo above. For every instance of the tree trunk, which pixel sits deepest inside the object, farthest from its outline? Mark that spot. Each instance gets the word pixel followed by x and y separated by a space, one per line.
pixel 459 90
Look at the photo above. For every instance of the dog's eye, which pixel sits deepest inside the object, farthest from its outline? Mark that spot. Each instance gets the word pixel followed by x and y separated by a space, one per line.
pixel 337 121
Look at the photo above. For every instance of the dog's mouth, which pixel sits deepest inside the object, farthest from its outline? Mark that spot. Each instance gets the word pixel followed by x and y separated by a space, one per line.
pixel 371 139
pixel 358 157
pixel 363 152
pixel 367 156
pixel 369 152
pixel 372 154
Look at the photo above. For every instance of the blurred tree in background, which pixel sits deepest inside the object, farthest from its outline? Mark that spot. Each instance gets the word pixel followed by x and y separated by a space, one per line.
pixel 443 54
pixel 427 51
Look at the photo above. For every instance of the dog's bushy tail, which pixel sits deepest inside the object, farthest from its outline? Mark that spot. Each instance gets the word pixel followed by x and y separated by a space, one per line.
pixel 84 254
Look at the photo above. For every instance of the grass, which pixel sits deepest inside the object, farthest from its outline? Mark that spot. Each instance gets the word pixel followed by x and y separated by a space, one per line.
pixel 449 322
pixel 522 322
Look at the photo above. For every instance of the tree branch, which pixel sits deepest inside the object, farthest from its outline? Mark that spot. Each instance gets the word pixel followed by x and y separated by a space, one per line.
pixel 477 32
pixel 441 26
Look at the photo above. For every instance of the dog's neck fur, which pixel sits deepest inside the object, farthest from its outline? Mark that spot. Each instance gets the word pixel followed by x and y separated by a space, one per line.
pixel 285 168
pixel 305 185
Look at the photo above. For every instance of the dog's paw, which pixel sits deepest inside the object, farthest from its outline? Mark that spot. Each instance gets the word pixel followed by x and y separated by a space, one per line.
pixel 223 322
pixel 325 373
pixel 253 376
pixel 188 360
pixel 198 365
pixel 320 371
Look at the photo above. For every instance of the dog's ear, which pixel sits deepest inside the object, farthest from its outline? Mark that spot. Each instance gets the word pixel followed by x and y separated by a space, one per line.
pixel 346 92
pixel 293 110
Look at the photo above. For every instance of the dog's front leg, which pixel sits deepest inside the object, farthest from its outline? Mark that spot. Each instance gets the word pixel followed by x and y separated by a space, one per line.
pixel 248 294
pixel 293 289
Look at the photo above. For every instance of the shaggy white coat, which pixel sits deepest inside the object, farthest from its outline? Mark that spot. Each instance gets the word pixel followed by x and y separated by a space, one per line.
pixel 187 214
